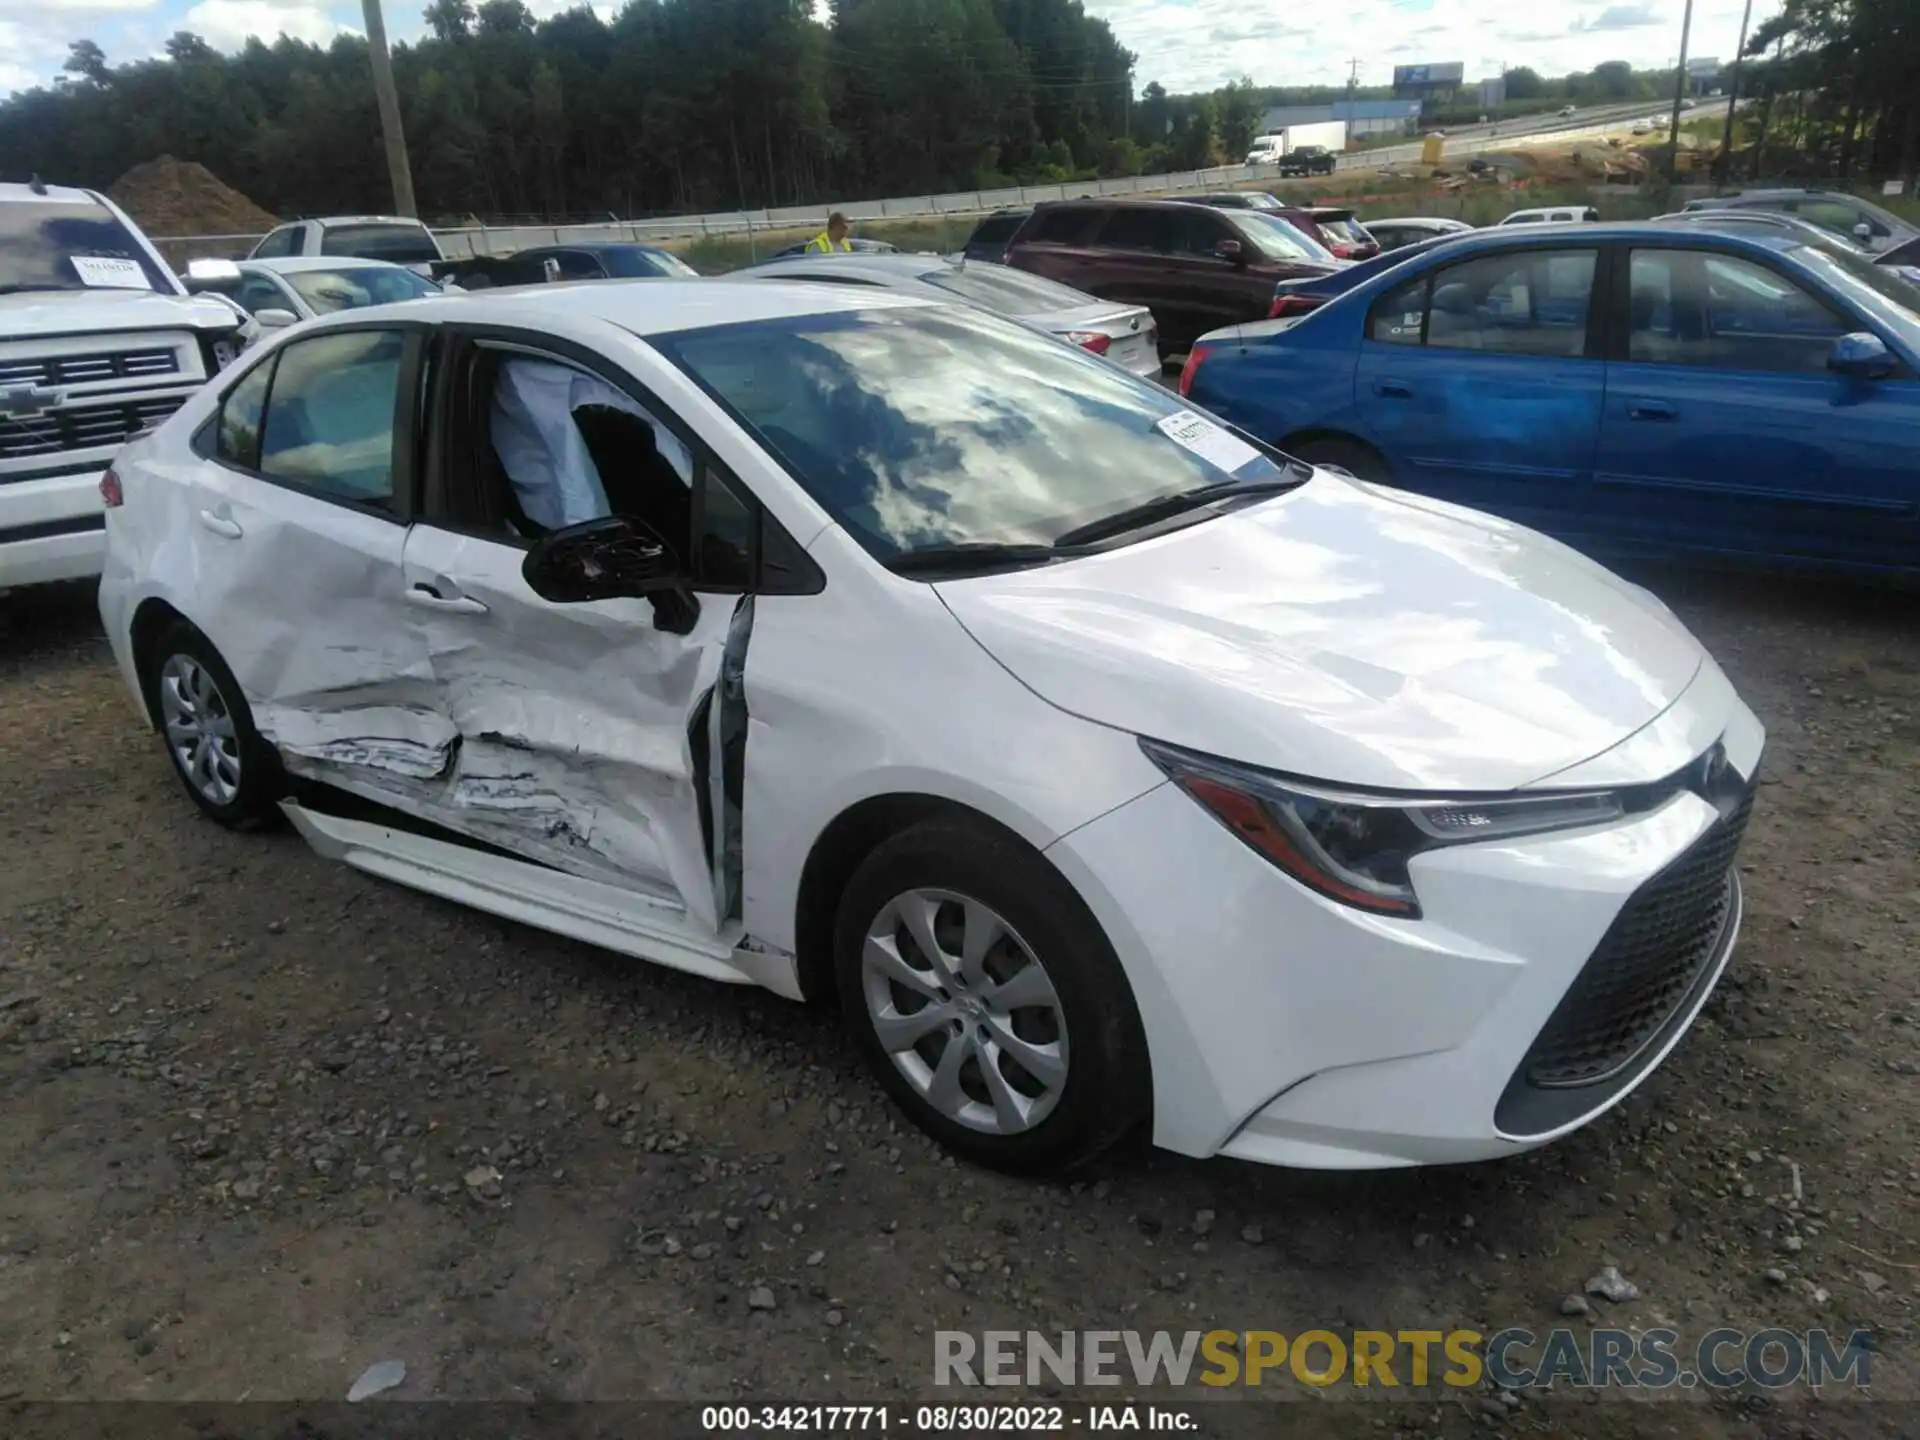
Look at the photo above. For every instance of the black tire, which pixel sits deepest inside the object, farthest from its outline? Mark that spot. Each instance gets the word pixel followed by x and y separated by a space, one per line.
pixel 262 782
pixel 1107 1090
pixel 1337 452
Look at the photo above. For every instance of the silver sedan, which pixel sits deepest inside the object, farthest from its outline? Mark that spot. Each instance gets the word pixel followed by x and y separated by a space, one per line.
pixel 279 292
pixel 1125 334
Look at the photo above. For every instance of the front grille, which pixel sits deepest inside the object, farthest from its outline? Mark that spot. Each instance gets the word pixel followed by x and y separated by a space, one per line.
pixel 83 427
pixel 44 370
pixel 1644 966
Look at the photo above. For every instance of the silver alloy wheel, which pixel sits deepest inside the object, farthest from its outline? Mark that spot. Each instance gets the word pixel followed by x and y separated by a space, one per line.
pixel 199 729
pixel 965 1010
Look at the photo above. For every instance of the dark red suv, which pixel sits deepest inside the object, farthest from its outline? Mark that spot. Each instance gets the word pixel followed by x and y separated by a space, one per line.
pixel 1195 267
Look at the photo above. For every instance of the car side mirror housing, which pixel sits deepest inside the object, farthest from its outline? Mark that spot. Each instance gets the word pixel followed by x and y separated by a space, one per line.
pixel 1861 356
pixel 274 318
pixel 615 558
pixel 1231 250
pixel 1863 232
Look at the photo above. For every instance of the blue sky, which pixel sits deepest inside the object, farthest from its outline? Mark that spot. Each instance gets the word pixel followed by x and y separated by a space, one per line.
pixel 1185 44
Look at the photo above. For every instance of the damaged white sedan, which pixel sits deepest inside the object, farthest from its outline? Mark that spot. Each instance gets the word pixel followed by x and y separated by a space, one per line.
pixel 1111 769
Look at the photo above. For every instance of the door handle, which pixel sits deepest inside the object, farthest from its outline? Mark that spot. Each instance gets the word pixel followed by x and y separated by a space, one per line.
pixel 1393 389
pixel 428 598
pixel 220 525
pixel 1651 410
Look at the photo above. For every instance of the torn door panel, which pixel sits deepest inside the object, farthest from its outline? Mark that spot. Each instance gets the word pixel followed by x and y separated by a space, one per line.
pixel 574 748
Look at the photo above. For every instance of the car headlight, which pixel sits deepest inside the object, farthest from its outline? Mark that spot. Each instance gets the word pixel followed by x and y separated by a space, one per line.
pixel 1354 847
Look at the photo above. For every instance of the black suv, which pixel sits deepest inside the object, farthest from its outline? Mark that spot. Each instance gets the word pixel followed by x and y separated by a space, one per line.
pixel 1307 160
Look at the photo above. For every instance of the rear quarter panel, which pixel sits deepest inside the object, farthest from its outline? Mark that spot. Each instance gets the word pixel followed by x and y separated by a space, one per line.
pixel 1277 385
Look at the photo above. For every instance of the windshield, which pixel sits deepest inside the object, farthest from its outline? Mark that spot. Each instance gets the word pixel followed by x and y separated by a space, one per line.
pixel 1874 288
pixel 60 246
pixel 638 264
pixel 401 244
pixel 353 287
pixel 1343 228
pixel 997 228
pixel 932 426
pixel 1011 292
pixel 1277 238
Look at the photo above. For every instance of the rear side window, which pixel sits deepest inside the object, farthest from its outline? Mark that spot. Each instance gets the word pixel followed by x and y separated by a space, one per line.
pixel 1528 302
pixel 995 229
pixel 402 244
pixel 1151 230
pixel 1532 302
pixel 1061 227
pixel 237 438
pixel 278 242
pixel 329 421
pixel 1399 316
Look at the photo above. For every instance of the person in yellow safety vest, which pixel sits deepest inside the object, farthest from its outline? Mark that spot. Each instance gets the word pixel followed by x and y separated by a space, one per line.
pixel 833 238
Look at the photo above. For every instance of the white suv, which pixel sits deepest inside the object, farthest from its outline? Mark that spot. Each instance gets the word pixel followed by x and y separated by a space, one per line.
pixel 98 342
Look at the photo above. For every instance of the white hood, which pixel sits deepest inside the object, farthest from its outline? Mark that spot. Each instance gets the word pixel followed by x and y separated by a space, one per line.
pixel 96 312
pixel 1345 634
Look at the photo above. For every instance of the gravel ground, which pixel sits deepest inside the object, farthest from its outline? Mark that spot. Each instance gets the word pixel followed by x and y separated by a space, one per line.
pixel 265 1121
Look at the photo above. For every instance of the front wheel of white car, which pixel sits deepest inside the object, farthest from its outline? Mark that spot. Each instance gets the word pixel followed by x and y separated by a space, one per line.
pixel 987 1001
pixel 229 770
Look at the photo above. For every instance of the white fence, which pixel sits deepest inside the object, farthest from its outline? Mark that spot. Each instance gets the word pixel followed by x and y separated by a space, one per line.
pixel 964 204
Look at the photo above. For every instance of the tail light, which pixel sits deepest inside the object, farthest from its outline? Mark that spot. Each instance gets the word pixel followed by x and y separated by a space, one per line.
pixel 1091 340
pixel 1285 305
pixel 110 492
pixel 1192 367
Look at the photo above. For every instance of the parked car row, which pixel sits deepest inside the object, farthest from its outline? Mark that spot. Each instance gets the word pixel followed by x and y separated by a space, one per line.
pixel 1669 386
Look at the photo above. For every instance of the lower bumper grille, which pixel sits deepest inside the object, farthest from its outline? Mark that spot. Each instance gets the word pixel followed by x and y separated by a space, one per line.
pixel 1645 965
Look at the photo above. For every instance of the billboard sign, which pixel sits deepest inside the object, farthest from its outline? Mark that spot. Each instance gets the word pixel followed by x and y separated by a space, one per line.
pixel 1417 77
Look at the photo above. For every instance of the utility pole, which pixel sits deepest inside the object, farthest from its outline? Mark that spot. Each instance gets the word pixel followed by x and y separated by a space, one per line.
pixel 1679 93
pixel 1733 94
pixel 389 101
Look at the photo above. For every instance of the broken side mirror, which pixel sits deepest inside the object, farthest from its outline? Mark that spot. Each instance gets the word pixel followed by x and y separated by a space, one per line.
pixel 615 558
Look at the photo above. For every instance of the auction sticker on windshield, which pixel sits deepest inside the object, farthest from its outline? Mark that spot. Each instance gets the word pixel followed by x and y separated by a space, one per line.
pixel 110 273
pixel 1214 444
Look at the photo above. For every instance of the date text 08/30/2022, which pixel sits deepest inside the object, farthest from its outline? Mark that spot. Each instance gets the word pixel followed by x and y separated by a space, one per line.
pixel 946 1419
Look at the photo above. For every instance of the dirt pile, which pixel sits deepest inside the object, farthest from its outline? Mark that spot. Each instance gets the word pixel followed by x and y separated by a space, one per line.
pixel 168 197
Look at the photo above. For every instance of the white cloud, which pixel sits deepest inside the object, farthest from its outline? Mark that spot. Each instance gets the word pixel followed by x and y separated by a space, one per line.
pixel 1201 44
pixel 228 24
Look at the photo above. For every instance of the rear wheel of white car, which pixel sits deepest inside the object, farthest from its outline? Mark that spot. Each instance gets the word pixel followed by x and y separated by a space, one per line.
pixel 1338 453
pixel 229 770
pixel 987 1000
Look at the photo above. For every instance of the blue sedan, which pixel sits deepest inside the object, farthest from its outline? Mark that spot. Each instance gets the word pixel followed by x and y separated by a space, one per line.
pixel 1633 389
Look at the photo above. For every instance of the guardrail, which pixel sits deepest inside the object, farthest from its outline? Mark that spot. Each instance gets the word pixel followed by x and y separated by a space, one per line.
pixel 459 242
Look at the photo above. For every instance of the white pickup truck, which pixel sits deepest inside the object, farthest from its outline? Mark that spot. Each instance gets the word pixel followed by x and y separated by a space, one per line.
pixel 99 341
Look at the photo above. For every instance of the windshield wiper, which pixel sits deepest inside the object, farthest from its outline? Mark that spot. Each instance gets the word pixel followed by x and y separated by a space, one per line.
pixel 1162 507
pixel 970 555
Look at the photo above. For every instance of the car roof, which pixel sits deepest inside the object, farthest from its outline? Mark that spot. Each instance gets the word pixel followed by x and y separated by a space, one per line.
pixel 646 307
pixel 864 262
pixel 47 195
pixel 295 264
pixel 1591 232
pixel 590 247
pixel 325 220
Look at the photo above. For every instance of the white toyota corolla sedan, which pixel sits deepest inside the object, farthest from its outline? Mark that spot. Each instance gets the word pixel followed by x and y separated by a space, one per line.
pixel 1111 769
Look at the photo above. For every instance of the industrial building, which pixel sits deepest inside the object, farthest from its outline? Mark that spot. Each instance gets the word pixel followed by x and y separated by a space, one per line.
pixel 1363 117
